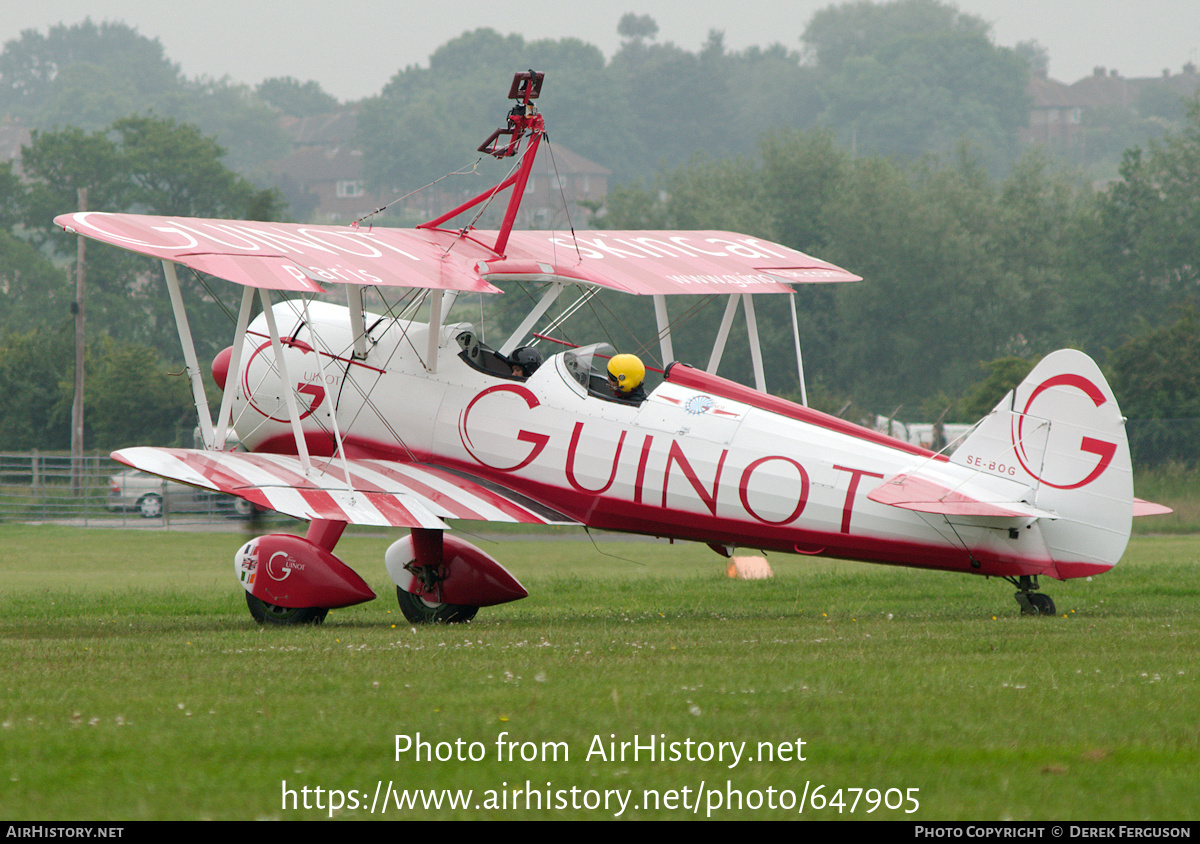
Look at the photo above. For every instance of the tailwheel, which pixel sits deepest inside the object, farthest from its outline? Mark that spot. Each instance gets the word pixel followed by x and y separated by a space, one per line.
pixel 420 611
pixel 1031 601
pixel 265 613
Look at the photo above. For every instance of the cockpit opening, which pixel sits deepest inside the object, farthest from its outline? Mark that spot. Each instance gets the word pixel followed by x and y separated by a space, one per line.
pixel 523 362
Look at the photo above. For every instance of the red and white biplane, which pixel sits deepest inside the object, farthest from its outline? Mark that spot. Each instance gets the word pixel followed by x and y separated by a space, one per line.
pixel 406 419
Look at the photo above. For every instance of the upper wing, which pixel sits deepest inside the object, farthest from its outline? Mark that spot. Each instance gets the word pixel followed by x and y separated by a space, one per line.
pixel 288 256
pixel 662 262
pixel 377 492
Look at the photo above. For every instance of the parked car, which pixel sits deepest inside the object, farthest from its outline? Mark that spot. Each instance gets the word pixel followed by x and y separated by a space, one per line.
pixel 153 496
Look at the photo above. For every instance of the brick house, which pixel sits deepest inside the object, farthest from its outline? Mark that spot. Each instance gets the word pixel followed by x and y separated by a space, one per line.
pixel 1061 112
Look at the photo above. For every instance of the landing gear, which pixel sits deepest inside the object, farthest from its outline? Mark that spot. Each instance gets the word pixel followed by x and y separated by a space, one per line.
pixel 441 579
pixel 265 613
pixel 1032 602
pixel 294 580
pixel 419 611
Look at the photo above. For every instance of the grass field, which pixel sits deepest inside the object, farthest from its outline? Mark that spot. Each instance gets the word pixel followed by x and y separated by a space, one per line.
pixel 136 686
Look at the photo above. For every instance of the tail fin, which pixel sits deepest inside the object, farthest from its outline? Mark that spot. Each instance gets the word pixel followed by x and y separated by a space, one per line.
pixel 1061 432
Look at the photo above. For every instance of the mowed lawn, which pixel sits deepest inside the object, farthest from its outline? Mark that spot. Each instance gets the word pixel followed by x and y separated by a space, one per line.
pixel 637 681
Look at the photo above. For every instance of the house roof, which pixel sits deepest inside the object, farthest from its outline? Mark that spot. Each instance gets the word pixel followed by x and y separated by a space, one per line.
pixel 320 164
pixel 1049 93
pixel 332 129
pixel 1106 88
pixel 558 158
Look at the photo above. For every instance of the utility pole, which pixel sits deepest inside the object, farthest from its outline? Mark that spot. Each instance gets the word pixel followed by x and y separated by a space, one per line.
pixel 77 486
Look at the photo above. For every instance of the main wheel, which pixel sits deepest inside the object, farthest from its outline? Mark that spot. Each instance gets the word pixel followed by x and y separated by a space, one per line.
pixel 1035 603
pixel 150 505
pixel 265 613
pixel 1043 604
pixel 419 611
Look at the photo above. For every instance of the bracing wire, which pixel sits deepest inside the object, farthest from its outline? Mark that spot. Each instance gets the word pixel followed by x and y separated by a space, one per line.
pixel 462 171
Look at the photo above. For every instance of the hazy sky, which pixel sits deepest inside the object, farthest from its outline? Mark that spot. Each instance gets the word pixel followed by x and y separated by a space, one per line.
pixel 352 47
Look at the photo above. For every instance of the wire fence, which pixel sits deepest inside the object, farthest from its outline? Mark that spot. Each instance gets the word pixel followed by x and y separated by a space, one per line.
pixel 98 491
pixel 1155 443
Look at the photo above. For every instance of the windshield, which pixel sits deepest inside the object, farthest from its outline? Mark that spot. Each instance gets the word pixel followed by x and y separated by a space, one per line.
pixel 588 361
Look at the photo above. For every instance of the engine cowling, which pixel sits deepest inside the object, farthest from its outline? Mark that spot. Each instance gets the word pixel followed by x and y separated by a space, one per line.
pixel 456 571
pixel 290 571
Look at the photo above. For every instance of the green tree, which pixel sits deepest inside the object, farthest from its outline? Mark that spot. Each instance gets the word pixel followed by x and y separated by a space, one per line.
pixel 88 75
pixel 99 69
pixel 247 128
pixel 1156 377
pixel 12 196
pixel 36 294
pixel 839 33
pixel 917 76
pixel 295 98
pixel 637 27
pixel 1156 373
pixel 428 122
pixel 131 399
pixel 174 170
pixel 35 379
pixel 1138 252
pixel 145 164
pixel 1003 374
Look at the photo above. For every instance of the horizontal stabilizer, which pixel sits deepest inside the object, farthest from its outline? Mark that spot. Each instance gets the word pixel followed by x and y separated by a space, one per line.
pixel 378 492
pixel 924 495
pixel 1141 507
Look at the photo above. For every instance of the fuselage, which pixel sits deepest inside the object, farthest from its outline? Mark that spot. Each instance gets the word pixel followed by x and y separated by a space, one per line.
pixel 700 459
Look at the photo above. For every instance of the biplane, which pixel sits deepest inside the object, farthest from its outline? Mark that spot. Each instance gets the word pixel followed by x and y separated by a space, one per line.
pixel 409 419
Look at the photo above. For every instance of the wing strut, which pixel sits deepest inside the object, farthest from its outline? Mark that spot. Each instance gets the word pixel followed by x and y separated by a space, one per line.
pixel 289 394
pixel 664 328
pixel 534 315
pixel 235 366
pixel 760 379
pixel 357 324
pixel 199 397
pixel 799 357
pixel 435 329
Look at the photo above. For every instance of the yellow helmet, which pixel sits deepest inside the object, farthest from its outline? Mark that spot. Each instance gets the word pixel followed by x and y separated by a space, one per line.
pixel 627 372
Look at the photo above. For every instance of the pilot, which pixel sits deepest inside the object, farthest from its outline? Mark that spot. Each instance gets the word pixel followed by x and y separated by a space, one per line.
pixel 625 376
pixel 525 361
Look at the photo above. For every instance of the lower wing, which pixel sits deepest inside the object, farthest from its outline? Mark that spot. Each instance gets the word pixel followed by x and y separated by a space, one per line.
pixel 375 492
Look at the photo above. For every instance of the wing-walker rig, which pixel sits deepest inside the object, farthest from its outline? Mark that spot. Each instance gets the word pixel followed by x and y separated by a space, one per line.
pixel 405 419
